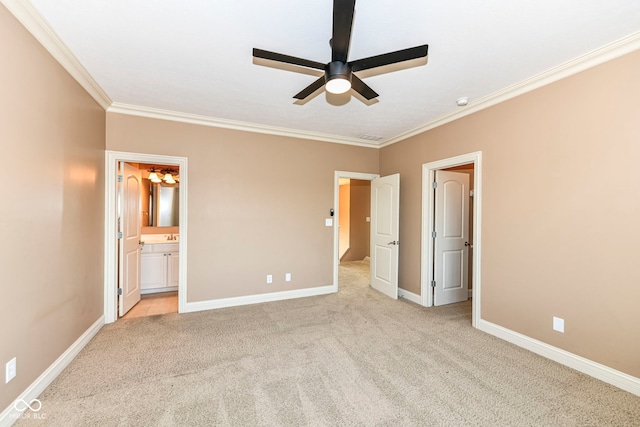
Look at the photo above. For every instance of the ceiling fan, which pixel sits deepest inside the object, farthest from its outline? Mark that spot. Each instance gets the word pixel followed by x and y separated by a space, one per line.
pixel 339 74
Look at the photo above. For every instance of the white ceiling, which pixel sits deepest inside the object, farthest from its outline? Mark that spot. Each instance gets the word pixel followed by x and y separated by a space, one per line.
pixel 194 57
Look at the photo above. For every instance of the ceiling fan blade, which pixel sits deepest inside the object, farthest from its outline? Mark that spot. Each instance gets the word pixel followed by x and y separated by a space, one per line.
pixel 389 58
pixel 265 54
pixel 361 87
pixel 342 23
pixel 310 89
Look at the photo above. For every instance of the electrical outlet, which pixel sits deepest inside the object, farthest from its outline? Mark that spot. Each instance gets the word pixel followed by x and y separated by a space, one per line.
pixel 269 278
pixel 10 370
pixel 287 277
pixel 558 324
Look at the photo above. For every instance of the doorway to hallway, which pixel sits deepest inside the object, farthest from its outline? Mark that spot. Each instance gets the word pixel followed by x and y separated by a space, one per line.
pixel 352 228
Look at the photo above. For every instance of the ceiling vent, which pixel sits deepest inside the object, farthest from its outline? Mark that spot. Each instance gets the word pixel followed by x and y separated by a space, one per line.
pixel 370 137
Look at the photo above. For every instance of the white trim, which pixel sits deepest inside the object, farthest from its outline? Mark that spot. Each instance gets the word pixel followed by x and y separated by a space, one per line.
pixel 604 373
pixel 176 116
pixel 409 296
pixel 110 263
pixel 426 269
pixel 158 290
pixel 11 414
pixel 256 299
pixel 31 19
pixel 594 58
pixel 336 214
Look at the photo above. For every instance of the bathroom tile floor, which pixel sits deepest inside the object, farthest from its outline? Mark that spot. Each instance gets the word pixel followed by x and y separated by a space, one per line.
pixel 152 304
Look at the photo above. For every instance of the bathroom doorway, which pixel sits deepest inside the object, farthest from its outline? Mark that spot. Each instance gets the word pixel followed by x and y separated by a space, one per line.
pixel 165 243
pixel 159 215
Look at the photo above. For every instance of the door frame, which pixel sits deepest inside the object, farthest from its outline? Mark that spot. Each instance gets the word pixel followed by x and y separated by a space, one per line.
pixel 428 205
pixel 336 214
pixel 110 220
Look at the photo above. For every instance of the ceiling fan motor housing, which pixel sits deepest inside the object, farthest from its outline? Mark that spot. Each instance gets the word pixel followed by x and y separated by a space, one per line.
pixel 337 70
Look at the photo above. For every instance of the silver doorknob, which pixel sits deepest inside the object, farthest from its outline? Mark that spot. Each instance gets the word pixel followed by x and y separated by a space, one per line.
pixel 395 242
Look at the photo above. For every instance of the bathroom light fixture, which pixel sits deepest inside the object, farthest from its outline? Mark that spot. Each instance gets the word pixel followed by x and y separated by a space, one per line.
pixel 153 176
pixel 168 178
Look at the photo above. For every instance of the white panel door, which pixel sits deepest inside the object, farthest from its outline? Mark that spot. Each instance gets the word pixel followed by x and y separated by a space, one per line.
pixel 130 226
pixel 385 237
pixel 452 236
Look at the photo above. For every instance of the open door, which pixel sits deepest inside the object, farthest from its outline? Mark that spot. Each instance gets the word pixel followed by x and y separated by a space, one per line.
pixel 385 211
pixel 130 241
pixel 452 237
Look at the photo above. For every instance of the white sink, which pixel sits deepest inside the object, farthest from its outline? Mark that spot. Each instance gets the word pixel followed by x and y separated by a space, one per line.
pixel 160 238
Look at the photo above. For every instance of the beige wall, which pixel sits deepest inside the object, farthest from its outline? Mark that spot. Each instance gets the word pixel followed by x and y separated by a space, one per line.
pixel 360 230
pixel 52 136
pixel 560 210
pixel 344 219
pixel 257 203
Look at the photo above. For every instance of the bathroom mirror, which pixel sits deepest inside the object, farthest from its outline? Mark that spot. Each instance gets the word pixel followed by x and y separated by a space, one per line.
pixel 164 204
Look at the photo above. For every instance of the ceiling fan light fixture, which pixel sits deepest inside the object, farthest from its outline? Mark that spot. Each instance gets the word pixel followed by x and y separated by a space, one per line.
pixel 338 85
pixel 338 77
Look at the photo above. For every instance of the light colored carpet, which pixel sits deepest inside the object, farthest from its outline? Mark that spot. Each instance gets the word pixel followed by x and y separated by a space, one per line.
pixel 355 358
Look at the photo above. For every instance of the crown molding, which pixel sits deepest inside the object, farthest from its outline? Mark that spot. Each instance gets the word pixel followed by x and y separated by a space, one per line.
pixel 31 19
pixel 156 113
pixel 599 56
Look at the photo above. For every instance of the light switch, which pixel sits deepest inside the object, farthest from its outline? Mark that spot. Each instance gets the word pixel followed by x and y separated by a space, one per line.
pixel 328 222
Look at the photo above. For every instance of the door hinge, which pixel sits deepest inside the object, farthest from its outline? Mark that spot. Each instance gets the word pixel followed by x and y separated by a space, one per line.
pixel 119 234
pixel 435 184
pixel 471 193
pixel 119 291
pixel 120 178
pixel 433 283
pixel 434 234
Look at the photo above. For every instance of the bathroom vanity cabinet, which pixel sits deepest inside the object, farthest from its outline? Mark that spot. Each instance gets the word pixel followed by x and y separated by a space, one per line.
pixel 159 267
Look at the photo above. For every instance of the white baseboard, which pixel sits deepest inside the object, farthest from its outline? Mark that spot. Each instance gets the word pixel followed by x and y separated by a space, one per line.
pixel 158 290
pixel 10 415
pixel 257 299
pixel 409 296
pixel 604 373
